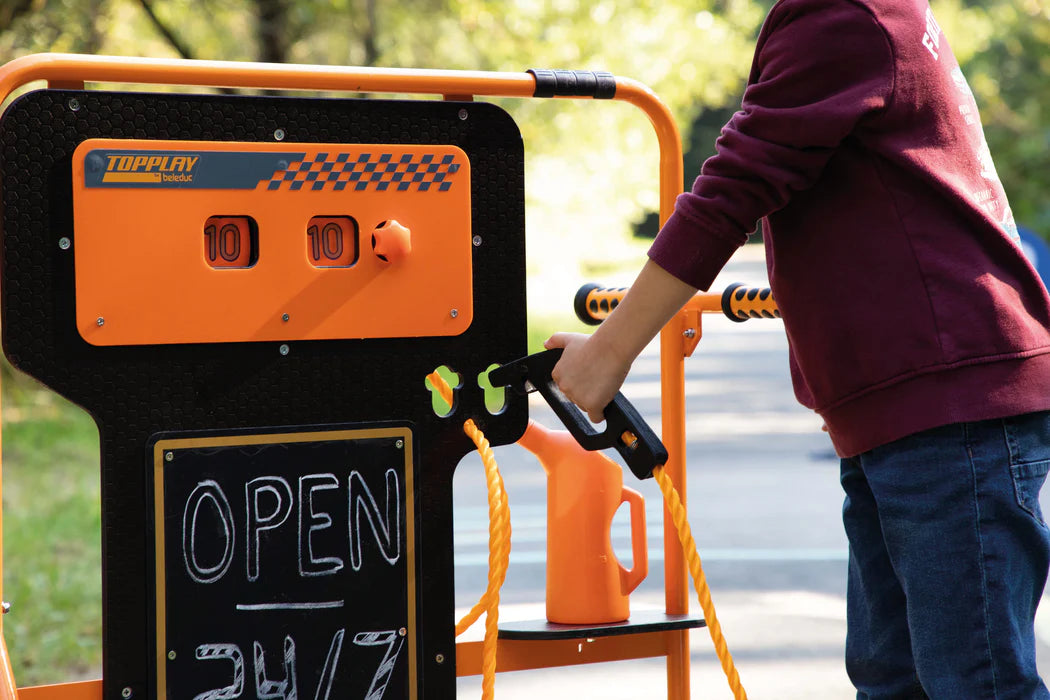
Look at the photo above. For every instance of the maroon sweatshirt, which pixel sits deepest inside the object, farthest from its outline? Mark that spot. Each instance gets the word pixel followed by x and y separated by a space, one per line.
pixel 891 249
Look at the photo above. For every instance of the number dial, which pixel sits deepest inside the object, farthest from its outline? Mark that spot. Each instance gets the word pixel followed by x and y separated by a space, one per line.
pixel 331 241
pixel 230 241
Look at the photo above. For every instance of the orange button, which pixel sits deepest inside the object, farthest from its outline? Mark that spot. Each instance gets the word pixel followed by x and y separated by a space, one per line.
pixel 391 241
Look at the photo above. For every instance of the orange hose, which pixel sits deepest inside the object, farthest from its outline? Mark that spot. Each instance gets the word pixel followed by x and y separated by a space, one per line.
pixel 685 535
pixel 499 548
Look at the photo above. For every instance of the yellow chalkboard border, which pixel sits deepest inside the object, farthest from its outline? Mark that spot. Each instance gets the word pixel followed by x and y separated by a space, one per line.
pixel 163 446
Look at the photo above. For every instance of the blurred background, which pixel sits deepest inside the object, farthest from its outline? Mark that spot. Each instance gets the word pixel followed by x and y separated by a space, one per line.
pixel 591 193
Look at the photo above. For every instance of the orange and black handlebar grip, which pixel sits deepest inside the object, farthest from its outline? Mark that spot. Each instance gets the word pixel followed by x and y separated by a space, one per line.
pixel 740 302
pixel 593 302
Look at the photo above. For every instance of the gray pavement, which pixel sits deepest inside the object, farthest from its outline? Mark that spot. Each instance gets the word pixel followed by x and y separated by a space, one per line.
pixel 764 504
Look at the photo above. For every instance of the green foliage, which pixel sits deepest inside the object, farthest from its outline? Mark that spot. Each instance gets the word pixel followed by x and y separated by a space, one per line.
pixel 1005 52
pixel 52 546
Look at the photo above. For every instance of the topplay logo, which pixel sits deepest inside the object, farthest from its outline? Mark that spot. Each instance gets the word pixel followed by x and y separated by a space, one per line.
pixel 222 170
pixel 149 168
pixel 409 170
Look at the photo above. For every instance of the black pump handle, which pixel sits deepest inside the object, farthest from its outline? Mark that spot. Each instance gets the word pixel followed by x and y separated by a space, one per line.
pixel 625 429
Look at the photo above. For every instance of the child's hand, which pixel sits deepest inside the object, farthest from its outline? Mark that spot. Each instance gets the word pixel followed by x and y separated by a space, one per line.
pixel 587 373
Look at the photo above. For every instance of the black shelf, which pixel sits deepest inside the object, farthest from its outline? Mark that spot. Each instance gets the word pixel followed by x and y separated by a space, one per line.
pixel 639 623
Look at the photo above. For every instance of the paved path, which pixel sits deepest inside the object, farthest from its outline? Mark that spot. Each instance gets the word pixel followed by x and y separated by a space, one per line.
pixel 764 505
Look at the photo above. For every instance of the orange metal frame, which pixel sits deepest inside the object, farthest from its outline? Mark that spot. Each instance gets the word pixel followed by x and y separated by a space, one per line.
pixel 73 71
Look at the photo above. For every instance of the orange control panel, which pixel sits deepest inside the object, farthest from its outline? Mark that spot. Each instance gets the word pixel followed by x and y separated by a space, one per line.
pixel 211 242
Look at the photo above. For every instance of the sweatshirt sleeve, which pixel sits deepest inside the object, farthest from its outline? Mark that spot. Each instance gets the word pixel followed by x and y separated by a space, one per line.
pixel 820 67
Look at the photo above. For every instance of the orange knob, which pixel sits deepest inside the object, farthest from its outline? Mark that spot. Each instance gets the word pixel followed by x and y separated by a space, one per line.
pixel 391 242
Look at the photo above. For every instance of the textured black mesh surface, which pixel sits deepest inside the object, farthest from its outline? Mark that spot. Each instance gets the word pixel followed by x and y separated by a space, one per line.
pixel 136 392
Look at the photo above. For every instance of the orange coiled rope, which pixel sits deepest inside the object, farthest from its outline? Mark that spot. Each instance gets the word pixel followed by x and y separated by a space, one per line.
pixel 499 548
pixel 685 535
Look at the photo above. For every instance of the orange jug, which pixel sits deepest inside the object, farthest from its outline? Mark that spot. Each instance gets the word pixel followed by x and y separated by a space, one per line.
pixel 586 583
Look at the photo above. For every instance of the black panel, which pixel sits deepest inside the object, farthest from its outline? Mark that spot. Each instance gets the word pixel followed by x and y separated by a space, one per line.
pixel 136 392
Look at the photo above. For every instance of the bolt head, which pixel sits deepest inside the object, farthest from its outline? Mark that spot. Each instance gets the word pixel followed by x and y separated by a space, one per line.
pixel 454 313
pixel 690 333
pixel 462 114
pixel 100 321
pixel 440 658
pixel 74 104
pixel 399 444
pixel 171 655
pixel 476 241
pixel 285 317
pixel 284 349
pixel 64 243
pixel 126 693
pixel 168 456
pixel 278 134
pixel 402 632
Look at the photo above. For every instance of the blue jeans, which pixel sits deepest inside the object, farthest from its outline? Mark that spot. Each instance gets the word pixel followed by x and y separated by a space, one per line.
pixel 948 559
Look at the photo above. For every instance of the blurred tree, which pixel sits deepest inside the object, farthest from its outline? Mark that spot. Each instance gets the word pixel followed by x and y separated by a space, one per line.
pixel 167 32
pixel 13 9
pixel 1009 61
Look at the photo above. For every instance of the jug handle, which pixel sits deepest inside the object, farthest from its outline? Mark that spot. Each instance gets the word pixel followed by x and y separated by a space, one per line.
pixel 630 578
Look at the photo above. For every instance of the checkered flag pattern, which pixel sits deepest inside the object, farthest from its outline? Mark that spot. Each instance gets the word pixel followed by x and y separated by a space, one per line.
pixel 379 172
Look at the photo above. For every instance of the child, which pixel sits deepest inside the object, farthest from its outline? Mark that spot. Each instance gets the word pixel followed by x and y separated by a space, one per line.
pixel 916 327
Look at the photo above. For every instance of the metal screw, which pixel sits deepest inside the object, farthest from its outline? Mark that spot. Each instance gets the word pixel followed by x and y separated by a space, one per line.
pixel 402 631
pixel 462 114
pixel 440 658
pixel 690 333
pixel 126 693
pixel 477 241
pixel 168 456
pixel 399 444
pixel 5 607
pixel 100 321
pixel 278 134
pixel 284 349
pixel 64 243
pixel 453 313
pixel 285 317
pixel 74 104
pixel 171 655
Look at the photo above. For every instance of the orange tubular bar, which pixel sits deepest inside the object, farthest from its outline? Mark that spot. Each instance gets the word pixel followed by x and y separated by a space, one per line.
pixel 76 68
pixel 672 390
pixel 79 690
pixel 66 70
pixel 7 677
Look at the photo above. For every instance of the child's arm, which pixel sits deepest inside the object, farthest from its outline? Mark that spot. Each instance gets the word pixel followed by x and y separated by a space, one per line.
pixel 593 367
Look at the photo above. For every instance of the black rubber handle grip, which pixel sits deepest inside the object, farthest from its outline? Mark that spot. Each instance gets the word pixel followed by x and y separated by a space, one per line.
pixel 625 429
pixel 740 302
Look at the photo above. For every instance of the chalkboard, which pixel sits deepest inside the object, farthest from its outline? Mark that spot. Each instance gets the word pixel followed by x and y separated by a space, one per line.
pixel 286 565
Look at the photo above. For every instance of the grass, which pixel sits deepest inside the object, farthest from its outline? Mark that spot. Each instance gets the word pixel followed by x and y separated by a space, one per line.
pixel 51 539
